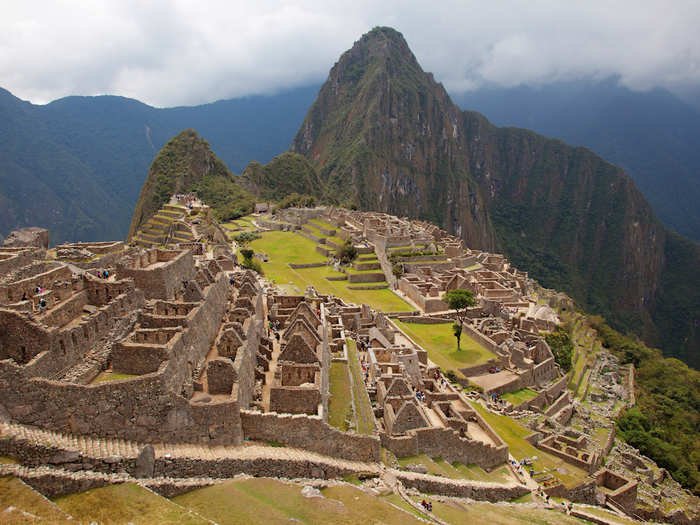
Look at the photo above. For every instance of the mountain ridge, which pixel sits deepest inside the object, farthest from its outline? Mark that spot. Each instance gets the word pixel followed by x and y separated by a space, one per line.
pixel 383 132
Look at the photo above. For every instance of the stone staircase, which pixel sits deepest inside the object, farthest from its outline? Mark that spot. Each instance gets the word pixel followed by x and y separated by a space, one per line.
pixel 159 228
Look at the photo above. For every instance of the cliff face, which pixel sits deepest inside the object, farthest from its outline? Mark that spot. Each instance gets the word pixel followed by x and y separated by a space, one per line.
pixel 385 135
pixel 186 163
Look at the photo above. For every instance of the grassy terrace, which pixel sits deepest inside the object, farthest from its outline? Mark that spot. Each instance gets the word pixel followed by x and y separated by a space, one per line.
pixel 288 247
pixel 14 493
pixel 496 514
pixel 340 402
pixel 513 433
pixel 441 345
pixel 271 501
pixel 520 396
pixel 439 467
pixel 364 416
pixel 125 503
pixel 107 375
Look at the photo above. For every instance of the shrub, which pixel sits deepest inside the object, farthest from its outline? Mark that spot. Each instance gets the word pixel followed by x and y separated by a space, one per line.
pixel 347 252
pixel 246 237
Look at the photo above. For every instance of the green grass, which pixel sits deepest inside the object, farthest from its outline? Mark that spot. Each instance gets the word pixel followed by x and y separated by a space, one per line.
pixel 270 501
pixel 125 503
pixel 520 396
pixel 364 416
pixel 322 224
pixel 105 376
pixel 288 247
pixel 397 500
pixel 441 345
pixel 14 493
pixel 476 473
pixel 340 402
pixel 480 513
pixel 513 433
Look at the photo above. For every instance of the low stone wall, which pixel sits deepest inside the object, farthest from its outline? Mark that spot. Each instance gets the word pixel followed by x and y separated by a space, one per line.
pixel 583 493
pixel 366 277
pixel 369 287
pixel 308 265
pixel 447 444
pixel 421 319
pixel 482 339
pixel 560 403
pixel 310 433
pixel 481 491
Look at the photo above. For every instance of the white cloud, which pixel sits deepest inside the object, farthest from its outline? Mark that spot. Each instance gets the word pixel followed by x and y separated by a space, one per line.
pixel 186 52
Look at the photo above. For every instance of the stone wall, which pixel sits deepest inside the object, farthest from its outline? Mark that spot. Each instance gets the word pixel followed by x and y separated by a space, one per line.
pixel 560 403
pixel 481 491
pixel 309 433
pixel 447 444
pixel 142 409
pixel 482 339
pixel 164 276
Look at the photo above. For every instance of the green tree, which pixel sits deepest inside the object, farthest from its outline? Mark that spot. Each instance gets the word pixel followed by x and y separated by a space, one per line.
pixel 397 270
pixel 457 331
pixel 347 252
pixel 247 254
pixel 562 346
pixel 460 299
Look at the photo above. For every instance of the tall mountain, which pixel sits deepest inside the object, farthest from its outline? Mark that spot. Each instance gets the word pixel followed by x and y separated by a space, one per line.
pixel 653 135
pixel 58 160
pixel 384 134
pixel 186 163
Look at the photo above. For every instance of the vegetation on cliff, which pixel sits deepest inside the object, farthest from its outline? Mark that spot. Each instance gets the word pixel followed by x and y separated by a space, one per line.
pixel 186 163
pixel 385 135
pixel 665 420
pixel 284 175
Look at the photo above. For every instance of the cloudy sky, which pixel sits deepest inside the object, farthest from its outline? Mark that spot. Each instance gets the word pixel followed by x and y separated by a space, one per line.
pixel 188 52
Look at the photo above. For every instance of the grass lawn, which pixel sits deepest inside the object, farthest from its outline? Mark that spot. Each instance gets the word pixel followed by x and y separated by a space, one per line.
pixel 270 501
pixel 441 345
pixel 125 503
pixel 110 376
pixel 513 433
pixel 520 396
pixel 14 493
pixel 458 514
pixel 364 416
pixel 340 402
pixel 475 472
pixel 288 247
pixel 327 225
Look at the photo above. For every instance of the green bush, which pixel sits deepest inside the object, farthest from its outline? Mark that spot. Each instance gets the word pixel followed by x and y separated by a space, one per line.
pixel 562 346
pixel 347 252
pixel 246 237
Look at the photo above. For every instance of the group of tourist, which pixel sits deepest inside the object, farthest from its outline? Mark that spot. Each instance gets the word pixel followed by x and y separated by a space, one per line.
pixel 102 274
pixel 427 505
pixel 273 327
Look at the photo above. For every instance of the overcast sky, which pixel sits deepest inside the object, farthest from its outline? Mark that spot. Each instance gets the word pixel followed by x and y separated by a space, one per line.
pixel 190 52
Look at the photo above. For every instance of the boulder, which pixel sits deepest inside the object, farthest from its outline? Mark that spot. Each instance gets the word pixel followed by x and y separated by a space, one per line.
pixel 145 463
pixel 31 237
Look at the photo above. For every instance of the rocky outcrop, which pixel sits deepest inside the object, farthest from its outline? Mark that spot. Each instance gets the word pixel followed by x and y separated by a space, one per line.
pixel 33 236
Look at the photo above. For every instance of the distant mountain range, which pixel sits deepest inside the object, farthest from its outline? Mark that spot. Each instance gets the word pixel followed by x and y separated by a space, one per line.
pixel 77 165
pixel 652 135
pixel 58 159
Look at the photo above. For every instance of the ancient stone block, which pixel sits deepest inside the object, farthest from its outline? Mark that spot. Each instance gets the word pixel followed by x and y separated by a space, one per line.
pixel 220 376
